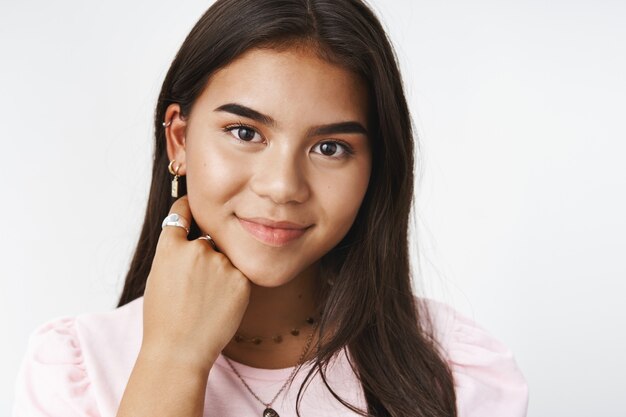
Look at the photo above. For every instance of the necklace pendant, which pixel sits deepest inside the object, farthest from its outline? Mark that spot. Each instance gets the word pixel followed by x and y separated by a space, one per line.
pixel 269 412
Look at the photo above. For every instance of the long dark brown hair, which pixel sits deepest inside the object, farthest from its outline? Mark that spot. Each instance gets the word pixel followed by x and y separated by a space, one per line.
pixel 370 302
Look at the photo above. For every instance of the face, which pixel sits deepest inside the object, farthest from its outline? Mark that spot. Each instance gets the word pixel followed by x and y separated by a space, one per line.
pixel 275 137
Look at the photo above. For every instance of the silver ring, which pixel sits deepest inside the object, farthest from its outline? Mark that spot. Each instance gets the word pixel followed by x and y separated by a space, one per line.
pixel 210 240
pixel 174 219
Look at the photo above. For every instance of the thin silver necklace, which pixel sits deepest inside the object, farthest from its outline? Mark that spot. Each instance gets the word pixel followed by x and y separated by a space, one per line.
pixel 269 411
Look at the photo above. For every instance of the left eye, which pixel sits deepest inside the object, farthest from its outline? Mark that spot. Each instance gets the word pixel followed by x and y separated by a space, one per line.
pixel 331 147
pixel 244 133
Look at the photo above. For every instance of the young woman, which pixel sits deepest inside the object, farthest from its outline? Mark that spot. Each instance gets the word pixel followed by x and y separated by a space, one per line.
pixel 272 276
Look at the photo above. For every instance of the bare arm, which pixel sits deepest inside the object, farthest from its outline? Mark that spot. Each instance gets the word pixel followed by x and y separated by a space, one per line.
pixel 164 385
pixel 193 304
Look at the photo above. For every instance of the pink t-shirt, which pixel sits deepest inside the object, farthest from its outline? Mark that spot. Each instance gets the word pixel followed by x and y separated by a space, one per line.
pixel 79 366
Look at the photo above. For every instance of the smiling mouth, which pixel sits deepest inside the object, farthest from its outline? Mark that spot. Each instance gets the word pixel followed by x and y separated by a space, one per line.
pixel 273 236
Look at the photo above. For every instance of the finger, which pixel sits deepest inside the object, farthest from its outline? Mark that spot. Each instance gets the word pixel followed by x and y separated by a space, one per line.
pixel 180 207
pixel 210 241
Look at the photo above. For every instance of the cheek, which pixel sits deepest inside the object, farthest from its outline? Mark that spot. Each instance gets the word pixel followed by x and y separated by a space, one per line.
pixel 342 199
pixel 213 178
pixel 208 167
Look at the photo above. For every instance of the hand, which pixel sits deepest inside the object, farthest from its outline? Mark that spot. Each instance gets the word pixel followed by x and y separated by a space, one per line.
pixel 194 299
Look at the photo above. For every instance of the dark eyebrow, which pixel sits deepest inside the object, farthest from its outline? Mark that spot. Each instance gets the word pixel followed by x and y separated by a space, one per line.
pixel 338 128
pixel 244 111
pixel 329 129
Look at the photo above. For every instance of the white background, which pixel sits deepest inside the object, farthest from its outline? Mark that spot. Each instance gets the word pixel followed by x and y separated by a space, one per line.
pixel 520 108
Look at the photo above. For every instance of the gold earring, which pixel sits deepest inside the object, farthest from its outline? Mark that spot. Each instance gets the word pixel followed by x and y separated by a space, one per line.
pixel 176 176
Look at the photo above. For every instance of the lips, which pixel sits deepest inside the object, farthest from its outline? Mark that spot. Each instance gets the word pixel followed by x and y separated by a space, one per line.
pixel 271 232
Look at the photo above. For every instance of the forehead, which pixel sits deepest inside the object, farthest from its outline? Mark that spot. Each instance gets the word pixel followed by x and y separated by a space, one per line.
pixel 291 81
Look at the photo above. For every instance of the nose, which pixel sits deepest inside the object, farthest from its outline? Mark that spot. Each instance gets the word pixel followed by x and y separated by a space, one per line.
pixel 280 175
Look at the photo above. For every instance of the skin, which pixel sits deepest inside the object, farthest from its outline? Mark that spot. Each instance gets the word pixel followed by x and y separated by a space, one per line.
pixel 196 298
pixel 278 171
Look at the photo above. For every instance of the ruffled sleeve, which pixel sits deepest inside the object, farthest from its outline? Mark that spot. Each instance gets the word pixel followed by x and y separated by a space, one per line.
pixel 487 379
pixel 52 380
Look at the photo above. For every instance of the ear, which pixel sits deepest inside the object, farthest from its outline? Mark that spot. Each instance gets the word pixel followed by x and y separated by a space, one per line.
pixel 175 137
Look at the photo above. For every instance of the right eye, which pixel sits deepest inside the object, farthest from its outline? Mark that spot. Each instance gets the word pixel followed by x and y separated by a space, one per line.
pixel 242 133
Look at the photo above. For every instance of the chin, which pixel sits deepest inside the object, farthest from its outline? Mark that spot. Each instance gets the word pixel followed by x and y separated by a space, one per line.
pixel 264 274
pixel 267 279
pixel 268 282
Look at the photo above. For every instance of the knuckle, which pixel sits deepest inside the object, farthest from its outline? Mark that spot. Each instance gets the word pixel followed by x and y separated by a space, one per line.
pixel 240 280
pixel 219 259
pixel 199 247
pixel 243 284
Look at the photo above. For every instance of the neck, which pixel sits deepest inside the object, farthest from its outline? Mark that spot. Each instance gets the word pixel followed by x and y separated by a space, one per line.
pixel 275 312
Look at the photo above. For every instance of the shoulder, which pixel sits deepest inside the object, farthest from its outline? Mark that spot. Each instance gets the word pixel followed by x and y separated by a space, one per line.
pixel 487 379
pixel 74 365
